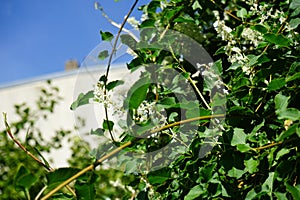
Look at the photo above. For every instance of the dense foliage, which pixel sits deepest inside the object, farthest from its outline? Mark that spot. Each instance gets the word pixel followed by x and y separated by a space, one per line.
pixel 253 152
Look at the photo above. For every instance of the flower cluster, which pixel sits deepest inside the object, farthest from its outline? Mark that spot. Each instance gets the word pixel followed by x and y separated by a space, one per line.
pixel 133 22
pixel 234 53
pixel 148 111
pixel 100 95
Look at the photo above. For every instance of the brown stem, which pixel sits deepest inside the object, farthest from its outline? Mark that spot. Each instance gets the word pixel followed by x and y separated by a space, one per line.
pixel 48 168
pixel 115 151
pixel 272 145
pixel 110 60
pixel 83 171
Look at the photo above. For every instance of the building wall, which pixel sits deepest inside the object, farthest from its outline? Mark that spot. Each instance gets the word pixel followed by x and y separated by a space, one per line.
pixel 70 84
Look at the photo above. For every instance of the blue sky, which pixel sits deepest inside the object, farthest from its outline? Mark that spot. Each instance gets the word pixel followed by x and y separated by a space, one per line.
pixel 38 37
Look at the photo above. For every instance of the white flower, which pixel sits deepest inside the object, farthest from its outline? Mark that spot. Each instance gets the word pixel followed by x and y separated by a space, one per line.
pixel 144 17
pixel 222 30
pixel 133 22
pixel 254 37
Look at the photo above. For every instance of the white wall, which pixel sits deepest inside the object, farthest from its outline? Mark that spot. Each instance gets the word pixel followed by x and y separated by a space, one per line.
pixel 70 84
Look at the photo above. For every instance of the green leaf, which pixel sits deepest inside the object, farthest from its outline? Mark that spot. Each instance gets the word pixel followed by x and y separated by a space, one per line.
pixel 85 187
pixel 234 66
pixel 281 102
pixel 293 77
pixel 172 116
pixel 59 175
pixel 260 28
pixel 159 176
pixel 113 84
pixel 239 137
pixel 129 41
pixel 136 62
pixel 243 147
pixel 256 128
pixel 107 124
pixel 98 131
pixel 82 99
pixel 294 23
pixel 24 179
pixel 147 23
pixel 295 13
pixel 43 158
pixel 253 60
pixel 241 13
pixel 295 4
pixel 294 190
pixel 267 186
pixel 195 192
pixel 276 84
pixel 182 19
pixel 289 113
pixel 251 194
pixel 281 153
pixel 238 31
pixel 196 5
pixel 85 191
pixel 251 165
pixel 293 129
pixel 217 67
pixel 103 54
pixel 138 92
pixel 277 39
pixel 62 196
pixel 235 173
pixel 106 36
pixel 280 196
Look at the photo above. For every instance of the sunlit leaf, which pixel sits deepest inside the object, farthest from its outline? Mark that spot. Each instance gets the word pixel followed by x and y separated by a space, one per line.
pixel 159 176
pixel 278 39
pixel 195 192
pixel 276 84
pixel 103 54
pixel 294 190
pixel 137 93
pixel 24 179
pixel 108 125
pixel 82 99
pixel 113 84
pixel 239 137
pixel 251 165
pixel 106 36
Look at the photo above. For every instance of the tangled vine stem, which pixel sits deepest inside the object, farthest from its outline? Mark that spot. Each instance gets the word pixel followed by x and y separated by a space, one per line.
pixel 115 151
pixel 110 60
pixel 16 141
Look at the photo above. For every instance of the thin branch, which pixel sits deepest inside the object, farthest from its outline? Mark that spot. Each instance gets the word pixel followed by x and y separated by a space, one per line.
pixel 226 11
pixel 190 80
pixel 272 144
pixel 110 60
pixel 99 7
pixel 267 146
pixel 279 31
pixel 40 162
pixel 88 168
pixel 115 151
pixel 186 121
pixel 118 35
pixel 8 130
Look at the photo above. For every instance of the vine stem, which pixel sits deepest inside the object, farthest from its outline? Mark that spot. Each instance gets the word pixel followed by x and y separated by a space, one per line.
pixel 83 171
pixel 109 63
pixel 272 145
pixel 190 79
pixel 101 9
pixel 48 168
pixel 115 151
